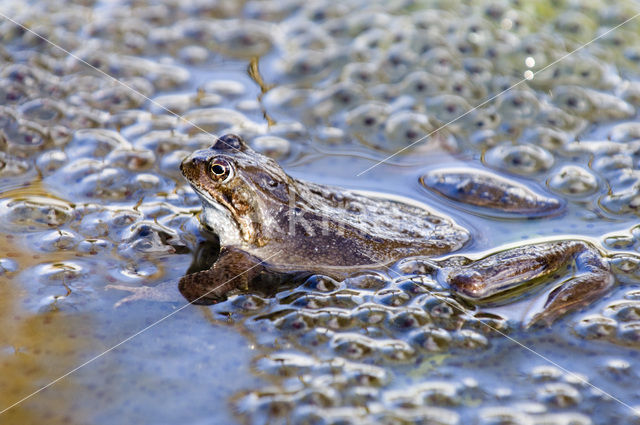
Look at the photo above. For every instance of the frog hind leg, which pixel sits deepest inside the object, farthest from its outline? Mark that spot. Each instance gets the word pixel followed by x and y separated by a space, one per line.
pixel 578 291
pixel 234 269
pixel 497 274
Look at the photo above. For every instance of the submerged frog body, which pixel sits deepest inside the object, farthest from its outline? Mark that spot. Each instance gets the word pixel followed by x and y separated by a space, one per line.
pixel 274 228
pixel 496 195
pixel 580 274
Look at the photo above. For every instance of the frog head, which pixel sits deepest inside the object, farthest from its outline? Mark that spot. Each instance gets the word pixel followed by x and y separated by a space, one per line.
pixel 242 191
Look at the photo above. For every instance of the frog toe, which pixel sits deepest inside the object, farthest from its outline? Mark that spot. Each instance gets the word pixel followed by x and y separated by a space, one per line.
pixel 160 293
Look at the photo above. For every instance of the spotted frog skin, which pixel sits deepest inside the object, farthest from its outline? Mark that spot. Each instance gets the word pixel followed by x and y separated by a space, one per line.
pixel 274 227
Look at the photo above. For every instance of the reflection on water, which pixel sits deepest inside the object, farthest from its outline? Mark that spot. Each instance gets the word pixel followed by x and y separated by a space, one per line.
pixel 36 349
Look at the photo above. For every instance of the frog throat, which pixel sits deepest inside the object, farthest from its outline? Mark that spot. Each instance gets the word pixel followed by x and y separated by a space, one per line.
pixel 225 221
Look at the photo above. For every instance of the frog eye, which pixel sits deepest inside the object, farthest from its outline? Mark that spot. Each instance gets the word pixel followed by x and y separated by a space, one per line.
pixel 220 170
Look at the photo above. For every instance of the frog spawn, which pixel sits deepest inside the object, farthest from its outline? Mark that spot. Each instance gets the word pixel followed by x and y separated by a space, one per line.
pixel 92 231
pixel 430 401
pixel 93 164
pixel 372 44
pixel 618 321
pixel 582 91
pixel 330 317
pixel 340 334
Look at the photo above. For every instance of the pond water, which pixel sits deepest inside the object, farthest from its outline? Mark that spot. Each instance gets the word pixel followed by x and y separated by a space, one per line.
pixel 91 196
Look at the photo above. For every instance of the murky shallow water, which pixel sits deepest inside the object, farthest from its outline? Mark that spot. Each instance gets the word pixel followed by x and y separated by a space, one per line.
pixel 91 196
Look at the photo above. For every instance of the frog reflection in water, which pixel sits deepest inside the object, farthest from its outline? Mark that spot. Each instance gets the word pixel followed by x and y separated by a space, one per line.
pixel 274 227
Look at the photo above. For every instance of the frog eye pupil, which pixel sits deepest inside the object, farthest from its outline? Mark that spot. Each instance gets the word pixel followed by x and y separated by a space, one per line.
pixel 217 169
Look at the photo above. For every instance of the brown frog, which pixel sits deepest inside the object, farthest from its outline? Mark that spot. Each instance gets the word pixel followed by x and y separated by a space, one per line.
pixel 270 223
pixel 272 226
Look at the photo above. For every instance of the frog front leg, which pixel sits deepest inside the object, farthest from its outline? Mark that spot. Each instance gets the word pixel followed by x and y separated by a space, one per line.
pixel 234 269
pixel 502 274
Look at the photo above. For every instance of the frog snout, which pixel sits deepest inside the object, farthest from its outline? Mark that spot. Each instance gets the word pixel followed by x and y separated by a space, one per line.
pixel 185 163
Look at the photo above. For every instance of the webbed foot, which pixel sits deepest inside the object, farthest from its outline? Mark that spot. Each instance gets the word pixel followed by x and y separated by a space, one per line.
pixel 234 269
pixel 163 292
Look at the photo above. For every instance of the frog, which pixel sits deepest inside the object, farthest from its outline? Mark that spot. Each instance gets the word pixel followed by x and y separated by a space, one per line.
pixel 269 223
pixel 276 228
